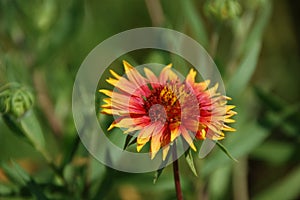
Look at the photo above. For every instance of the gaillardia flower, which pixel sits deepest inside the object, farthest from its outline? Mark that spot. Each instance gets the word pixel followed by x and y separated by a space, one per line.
pixel 163 108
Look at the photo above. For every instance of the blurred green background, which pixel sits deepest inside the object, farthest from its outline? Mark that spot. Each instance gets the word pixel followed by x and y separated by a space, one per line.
pixel 255 44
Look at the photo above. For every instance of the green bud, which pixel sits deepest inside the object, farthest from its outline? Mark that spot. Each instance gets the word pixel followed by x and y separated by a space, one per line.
pixel 222 10
pixel 15 100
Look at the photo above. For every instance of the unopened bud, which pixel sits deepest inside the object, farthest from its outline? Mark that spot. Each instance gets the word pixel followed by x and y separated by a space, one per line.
pixel 222 10
pixel 15 100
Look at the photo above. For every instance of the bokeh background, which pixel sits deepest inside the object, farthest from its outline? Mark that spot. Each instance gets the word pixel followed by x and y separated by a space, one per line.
pixel 255 44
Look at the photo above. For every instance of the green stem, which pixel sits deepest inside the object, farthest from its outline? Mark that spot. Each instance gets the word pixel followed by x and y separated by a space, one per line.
pixel 58 171
pixel 71 153
pixel 214 43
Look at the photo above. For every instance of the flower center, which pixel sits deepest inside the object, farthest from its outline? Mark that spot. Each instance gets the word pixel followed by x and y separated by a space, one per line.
pixel 157 113
pixel 163 105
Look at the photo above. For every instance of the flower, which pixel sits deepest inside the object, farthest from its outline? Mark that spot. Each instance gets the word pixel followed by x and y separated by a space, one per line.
pixel 163 108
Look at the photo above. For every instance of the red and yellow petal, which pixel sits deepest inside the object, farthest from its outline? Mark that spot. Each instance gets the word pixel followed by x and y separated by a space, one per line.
pixel 185 134
pixel 144 136
pixel 156 140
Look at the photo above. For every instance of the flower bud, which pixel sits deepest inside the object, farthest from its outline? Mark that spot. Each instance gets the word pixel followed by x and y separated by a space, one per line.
pixel 15 100
pixel 222 10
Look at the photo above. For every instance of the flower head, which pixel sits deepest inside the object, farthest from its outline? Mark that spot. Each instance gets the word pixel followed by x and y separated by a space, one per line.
pixel 163 108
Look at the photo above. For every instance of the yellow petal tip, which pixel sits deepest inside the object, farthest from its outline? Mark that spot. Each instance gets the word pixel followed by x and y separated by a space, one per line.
pixel 127 66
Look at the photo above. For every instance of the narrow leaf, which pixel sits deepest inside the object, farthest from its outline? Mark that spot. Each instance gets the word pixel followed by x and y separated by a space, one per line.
pixel 17 174
pixel 107 181
pixel 21 172
pixel 269 100
pixel 133 141
pixel 248 137
pixel 206 147
pixel 11 123
pixel 190 161
pixel 157 175
pixel 130 139
pixel 258 28
pixel 12 174
pixel 33 131
pixel 223 148
pixel 195 21
pixel 242 76
pixel 161 168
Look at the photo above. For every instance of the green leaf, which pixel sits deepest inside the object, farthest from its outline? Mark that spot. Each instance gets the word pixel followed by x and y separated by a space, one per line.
pixel 33 131
pixel 157 174
pixel 224 149
pixel 195 21
pixel 69 174
pixel 30 183
pixel 5 190
pixel 248 136
pixel 251 49
pixel 108 180
pixel 28 126
pixel 71 150
pixel 95 169
pixel 17 174
pixel 190 161
pixel 130 139
pixel 281 113
pixel 162 167
pixel 269 100
pixel 219 182
pixel 12 174
pixel 11 123
pixel 21 172
pixel 258 28
pixel 278 118
pixel 239 81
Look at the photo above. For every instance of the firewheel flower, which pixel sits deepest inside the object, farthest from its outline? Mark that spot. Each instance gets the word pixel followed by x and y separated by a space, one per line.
pixel 163 108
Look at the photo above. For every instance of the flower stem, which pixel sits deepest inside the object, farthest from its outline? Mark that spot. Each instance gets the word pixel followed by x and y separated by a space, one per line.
pixel 176 175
